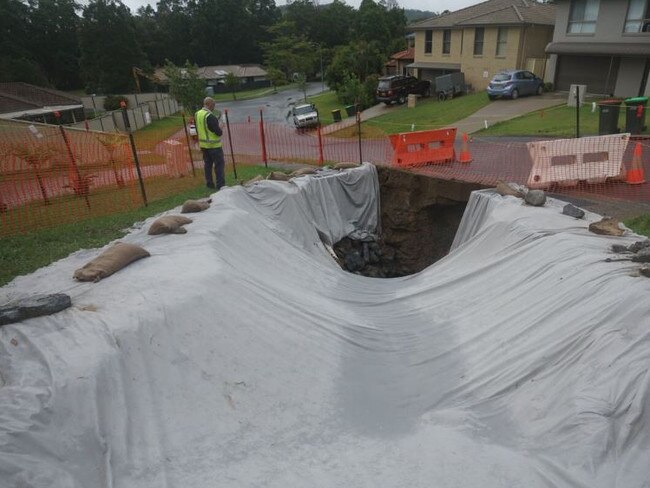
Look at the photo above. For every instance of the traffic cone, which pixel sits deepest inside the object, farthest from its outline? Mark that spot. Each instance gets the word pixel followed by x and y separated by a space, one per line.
pixel 635 175
pixel 465 156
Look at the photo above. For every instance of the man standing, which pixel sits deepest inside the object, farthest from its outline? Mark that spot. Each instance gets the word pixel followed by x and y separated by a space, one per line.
pixel 209 133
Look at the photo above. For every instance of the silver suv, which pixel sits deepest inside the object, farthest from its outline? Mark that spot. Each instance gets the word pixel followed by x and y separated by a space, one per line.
pixel 305 115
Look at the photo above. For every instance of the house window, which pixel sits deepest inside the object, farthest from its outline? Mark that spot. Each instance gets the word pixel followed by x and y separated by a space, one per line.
pixel 502 40
pixel 479 32
pixel 583 16
pixel 446 41
pixel 428 42
pixel 637 16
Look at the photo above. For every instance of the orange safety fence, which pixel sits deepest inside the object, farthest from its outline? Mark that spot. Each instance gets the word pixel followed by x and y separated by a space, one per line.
pixel 50 175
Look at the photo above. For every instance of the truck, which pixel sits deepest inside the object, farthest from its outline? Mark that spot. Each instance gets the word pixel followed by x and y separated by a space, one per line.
pixel 448 86
pixel 305 116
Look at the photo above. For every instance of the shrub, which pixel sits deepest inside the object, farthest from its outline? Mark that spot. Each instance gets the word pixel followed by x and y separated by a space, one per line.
pixel 548 86
pixel 113 102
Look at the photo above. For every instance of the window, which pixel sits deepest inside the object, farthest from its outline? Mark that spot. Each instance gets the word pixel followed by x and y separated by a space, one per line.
pixel 637 17
pixel 502 40
pixel 428 41
pixel 446 41
pixel 479 32
pixel 583 16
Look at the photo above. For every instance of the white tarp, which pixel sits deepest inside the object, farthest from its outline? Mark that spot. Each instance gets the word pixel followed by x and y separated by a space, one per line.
pixel 241 355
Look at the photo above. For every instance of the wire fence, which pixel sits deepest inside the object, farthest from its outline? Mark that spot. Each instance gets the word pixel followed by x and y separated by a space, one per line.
pixel 51 175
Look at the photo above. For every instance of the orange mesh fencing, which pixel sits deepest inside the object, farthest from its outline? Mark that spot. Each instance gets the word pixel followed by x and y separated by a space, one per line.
pixel 51 175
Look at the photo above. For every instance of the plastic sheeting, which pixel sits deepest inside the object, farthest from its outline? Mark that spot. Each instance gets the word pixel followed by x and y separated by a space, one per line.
pixel 241 355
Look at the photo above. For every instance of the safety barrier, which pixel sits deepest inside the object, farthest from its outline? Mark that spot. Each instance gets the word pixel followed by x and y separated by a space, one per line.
pixel 423 147
pixel 569 161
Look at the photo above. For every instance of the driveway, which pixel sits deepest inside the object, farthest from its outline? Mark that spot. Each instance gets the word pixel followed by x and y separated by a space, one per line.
pixel 276 106
pixel 505 109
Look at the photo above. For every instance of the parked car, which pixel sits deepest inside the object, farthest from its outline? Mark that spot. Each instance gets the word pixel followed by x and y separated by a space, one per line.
pixel 514 83
pixel 305 115
pixel 397 87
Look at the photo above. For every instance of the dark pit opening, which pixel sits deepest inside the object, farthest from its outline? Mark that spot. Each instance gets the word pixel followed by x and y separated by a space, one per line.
pixel 419 218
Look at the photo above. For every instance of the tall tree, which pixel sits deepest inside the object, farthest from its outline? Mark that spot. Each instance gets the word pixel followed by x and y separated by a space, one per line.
pixel 109 47
pixel 17 62
pixel 335 24
pixel 53 40
pixel 289 52
pixel 185 85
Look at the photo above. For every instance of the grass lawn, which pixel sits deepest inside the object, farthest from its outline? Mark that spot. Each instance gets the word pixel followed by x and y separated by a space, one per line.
pixel 429 113
pixel 23 254
pixel 557 121
pixel 640 225
pixel 325 103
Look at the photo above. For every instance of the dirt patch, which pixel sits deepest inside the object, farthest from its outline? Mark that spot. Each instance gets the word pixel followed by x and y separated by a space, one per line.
pixel 419 216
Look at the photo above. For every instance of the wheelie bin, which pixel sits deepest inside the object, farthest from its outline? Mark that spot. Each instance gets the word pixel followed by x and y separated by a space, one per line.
pixel 608 117
pixel 635 109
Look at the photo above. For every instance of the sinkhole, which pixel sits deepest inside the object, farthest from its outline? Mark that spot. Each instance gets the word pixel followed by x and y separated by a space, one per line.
pixel 419 218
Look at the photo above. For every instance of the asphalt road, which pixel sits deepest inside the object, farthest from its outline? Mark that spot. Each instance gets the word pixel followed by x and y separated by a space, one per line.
pixel 275 106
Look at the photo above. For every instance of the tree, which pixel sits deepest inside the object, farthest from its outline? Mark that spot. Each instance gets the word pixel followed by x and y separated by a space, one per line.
pixel 53 40
pixel 301 82
pixel 109 48
pixel 185 85
pixel 358 59
pixel 16 60
pixel 276 77
pixel 232 82
pixel 289 52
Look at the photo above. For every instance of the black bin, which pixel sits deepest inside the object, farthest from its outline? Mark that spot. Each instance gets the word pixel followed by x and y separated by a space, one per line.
pixel 635 114
pixel 351 110
pixel 608 118
pixel 336 115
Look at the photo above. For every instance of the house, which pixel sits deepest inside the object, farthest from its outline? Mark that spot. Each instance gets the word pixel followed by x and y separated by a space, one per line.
pixel 398 62
pixel 249 76
pixel 484 39
pixel 29 102
pixel 604 44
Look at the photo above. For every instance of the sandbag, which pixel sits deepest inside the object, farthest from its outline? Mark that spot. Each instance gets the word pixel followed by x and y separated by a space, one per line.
pixel 169 224
pixel 113 259
pixel 278 176
pixel 193 206
pixel 345 165
pixel 254 179
pixel 303 171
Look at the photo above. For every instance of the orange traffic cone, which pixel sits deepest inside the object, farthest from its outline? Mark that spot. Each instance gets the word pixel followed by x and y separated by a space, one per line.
pixel 465 156
pixel 636 174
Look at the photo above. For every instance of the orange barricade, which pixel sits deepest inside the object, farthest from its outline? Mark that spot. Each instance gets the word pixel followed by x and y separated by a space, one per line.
pixel 569 161
pixel 423 147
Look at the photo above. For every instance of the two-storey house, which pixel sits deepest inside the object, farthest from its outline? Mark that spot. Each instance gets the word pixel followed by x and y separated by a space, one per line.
pixel 604 44
pixel 484 39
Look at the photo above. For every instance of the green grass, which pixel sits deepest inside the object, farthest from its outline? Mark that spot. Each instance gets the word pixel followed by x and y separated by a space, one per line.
pixel 22 254
pixel 325 103
pixel 557 121
pixel 640 225
pixel 429 113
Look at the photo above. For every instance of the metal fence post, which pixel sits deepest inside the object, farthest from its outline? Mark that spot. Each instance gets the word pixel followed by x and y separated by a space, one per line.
pixel 189 147
pixel 359 131
pixel 232 153
pixel 81 186
pixel 127 124
pixel 263 138
pixel 577 111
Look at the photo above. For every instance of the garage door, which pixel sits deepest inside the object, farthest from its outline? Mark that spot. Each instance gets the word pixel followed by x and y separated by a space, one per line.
pixel 597 72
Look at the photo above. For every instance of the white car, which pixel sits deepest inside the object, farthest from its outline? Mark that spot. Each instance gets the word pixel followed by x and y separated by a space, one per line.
pixel 305 115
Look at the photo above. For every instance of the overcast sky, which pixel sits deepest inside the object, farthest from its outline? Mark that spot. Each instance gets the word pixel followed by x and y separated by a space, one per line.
pixel 430 5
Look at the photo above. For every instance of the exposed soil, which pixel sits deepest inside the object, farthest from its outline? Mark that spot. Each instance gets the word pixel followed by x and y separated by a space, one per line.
pixel 419 218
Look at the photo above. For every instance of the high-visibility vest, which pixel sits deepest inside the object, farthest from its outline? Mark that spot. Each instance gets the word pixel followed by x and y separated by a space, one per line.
pixel 207 138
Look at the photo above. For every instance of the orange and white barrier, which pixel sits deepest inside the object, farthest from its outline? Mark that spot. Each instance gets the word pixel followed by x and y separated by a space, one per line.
pixel 569 161
pixel 423 147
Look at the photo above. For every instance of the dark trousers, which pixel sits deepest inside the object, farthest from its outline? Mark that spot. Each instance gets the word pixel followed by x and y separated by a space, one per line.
pixel 214 157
